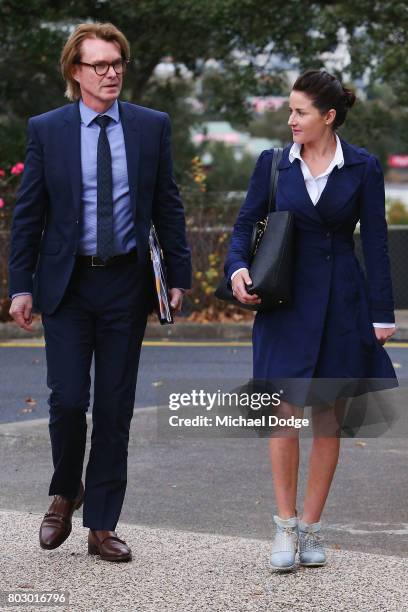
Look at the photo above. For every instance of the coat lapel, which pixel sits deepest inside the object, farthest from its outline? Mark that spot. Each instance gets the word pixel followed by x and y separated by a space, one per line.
pixel 342 184
pixel 293 192
pixel 338 192
pixel 131 133
pixel 72 143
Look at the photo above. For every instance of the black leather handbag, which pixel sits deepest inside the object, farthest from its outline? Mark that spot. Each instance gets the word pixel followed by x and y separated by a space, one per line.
pixel 271 255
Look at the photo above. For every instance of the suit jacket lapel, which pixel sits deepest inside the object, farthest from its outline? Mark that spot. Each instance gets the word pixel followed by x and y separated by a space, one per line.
pixel 131 133
pixel 72 144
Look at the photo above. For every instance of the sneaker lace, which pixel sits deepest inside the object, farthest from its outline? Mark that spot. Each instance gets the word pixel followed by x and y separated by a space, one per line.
pixel 289 531
pixel 285 538
pixel 312 540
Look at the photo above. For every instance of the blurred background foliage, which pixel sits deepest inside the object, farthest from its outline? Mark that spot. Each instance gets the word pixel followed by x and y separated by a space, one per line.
pixel 232 35
pixel 201 61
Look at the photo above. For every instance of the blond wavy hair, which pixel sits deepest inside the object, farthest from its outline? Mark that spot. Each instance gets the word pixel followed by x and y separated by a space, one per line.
pixel 71 53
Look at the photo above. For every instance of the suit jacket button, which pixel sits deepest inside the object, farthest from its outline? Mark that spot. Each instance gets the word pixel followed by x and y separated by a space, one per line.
pixel 328 257
pixel 328 234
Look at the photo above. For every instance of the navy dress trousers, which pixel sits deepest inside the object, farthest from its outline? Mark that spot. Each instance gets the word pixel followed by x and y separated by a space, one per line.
pixel 95 313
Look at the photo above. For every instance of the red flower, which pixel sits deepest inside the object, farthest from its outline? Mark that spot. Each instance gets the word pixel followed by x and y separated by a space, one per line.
pixel 2 173
pixel 17 169
pixel 2 202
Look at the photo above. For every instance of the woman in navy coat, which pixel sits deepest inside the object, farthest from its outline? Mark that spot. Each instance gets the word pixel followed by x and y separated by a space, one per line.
pixel 339 319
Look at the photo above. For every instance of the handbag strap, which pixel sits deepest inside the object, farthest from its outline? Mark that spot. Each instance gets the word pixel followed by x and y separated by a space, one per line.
pixel 277 156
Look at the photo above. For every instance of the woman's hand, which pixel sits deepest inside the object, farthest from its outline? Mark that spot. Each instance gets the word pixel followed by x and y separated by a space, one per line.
pixel 239 291
pixel 383 333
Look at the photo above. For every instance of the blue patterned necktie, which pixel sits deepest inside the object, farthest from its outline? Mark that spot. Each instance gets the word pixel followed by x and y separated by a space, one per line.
pixel 104 235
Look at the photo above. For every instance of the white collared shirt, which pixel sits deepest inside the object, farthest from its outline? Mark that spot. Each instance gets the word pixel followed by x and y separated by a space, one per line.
pixel 316 184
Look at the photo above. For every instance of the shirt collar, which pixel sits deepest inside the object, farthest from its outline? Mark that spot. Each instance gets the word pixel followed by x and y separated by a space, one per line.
pixel 88 114
pixel 338 159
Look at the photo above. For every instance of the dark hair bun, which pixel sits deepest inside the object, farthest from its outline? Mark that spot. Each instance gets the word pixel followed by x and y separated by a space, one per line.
pixel 349 97
pixel 326 92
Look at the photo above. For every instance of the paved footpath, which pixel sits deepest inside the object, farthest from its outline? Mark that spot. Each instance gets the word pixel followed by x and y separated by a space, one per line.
pixel 179 571
pixel 190 515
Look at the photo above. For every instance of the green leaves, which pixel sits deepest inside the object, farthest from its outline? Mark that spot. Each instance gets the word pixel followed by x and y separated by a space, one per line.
pixel 253 43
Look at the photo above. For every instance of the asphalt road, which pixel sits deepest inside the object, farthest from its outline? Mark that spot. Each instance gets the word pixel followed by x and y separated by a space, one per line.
pixel 23 373
pixel 209 485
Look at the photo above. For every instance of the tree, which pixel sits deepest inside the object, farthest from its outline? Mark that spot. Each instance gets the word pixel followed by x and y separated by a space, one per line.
pixel 190 31
pixel 377 38
pixel 226 173
pixel 234 34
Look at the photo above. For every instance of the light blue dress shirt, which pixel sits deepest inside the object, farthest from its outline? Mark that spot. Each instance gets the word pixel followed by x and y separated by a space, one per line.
pixel 123 225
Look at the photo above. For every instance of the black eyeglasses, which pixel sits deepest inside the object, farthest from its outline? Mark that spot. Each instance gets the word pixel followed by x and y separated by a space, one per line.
pixel 102 68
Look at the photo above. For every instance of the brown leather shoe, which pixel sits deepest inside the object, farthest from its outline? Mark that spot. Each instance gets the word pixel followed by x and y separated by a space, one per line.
pixel 57 522
pixel 108 546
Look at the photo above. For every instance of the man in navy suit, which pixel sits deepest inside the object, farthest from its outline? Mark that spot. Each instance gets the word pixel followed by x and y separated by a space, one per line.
pixel 97 173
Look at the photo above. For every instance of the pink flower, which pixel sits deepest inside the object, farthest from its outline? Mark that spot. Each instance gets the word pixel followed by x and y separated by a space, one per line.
pixel 17 169
pixel 2 202
pixel 2 173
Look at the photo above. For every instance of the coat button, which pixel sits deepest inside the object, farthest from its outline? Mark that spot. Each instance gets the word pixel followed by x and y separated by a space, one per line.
pixel 328 257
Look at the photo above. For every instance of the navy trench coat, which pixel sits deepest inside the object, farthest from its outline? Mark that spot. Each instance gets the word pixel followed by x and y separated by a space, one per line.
pixel 327 331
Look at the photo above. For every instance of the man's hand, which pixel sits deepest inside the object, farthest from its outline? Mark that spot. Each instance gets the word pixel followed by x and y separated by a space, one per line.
pixel 21 311
pixel 239 291
pixel 383 333
pixel 176 299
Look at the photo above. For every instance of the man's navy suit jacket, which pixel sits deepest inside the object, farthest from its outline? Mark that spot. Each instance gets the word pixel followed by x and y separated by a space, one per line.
pixel 46 221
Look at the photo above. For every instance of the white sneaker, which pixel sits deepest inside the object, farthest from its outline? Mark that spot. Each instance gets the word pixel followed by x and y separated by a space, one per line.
pixel 311 552
pixel 284 544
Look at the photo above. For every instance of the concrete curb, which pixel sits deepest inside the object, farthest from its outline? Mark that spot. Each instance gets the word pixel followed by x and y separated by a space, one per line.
pixel 184 330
